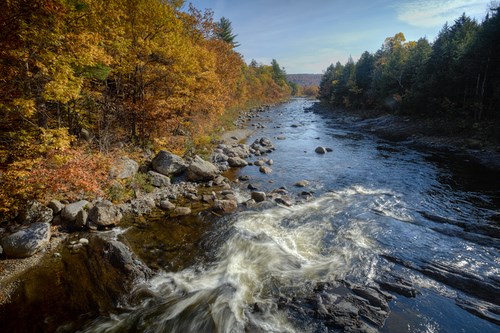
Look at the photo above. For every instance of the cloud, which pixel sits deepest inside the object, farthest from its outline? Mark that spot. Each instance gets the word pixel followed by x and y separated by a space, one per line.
pixel 434 13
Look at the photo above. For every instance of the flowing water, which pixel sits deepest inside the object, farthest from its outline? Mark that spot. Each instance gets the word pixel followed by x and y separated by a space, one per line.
pixel 380 211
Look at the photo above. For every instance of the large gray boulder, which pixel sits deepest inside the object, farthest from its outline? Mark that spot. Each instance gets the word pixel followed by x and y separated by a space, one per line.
pixel 124 168
pixel 26 242
pixel 35 212
pixel 201 170
pixel 158 180
pixel 105 214
pixel 237 162
pixel 71 210
pixel 168 164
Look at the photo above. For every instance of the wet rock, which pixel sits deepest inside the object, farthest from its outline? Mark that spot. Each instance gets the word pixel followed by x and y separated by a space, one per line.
pixel 265 142
pixel 56 206
pixel 302 183
pixel 320 150
pixel 105 214
pixel 252 187
pixel 201 170
pixel 225 206
pixel 26 242
pixel 35 212
pixel 328 149
pixel 181 211
pixel 265 170
pixel 166 205
pixel 158 180
pixel 281 137
pixel 258 163
pixel 244 178
pixel 237 162
pixel 124 168
pixel 269 162
pixel 71 210
pixel 258 196
pixel 250 203
pixel 167 163
pixel 284 201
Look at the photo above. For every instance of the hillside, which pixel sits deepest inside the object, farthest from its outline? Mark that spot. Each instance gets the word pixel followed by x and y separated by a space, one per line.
pixel 305 80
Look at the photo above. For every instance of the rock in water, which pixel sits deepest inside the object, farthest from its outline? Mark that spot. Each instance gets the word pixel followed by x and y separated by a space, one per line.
pixel 26 242
pixel 265 170
pixel 166 205
pixel 302 183
pixel 167 163
pixel 105 214
pixel 201 170
pixel 225 206
pixel 124 168
pixel 258 196
pixel 181 211
pixel 237 162
pixel 320 150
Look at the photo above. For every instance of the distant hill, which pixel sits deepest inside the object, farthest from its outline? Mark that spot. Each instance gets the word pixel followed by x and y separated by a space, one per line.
pixel 305 80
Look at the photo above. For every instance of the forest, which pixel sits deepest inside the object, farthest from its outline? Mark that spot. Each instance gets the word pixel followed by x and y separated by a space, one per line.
pixel 457 76
pixel 82 78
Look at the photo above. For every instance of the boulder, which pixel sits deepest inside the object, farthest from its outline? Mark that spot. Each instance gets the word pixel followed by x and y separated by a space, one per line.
pixel 124 168
pixel 158 180
pixel 237 151
pixel 201 170
pixel 265 169
pixel 320 150
pixel 81 219
pixel 35 212
pixel 181 211
pixel 258 196
pixel 225 206
pixel 105 214
pixel 237 162
pixel 70 211
pixel 56 206
pixel 26 242
pixel 167 163
pixel 166 205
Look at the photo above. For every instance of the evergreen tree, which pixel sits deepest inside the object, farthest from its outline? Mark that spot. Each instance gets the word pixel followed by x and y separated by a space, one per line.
pixel 224 32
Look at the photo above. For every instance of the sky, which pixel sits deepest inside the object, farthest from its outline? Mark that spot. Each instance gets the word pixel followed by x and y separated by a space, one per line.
pixel 306 36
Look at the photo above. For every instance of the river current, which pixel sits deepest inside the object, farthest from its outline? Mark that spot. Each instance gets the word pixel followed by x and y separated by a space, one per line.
pixel 375 212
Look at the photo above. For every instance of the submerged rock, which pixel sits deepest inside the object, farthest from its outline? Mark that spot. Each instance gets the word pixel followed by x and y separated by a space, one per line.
pixel 265 170
pixel 26 242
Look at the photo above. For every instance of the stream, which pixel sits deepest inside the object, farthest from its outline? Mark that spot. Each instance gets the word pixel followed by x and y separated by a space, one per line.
pixel 384 238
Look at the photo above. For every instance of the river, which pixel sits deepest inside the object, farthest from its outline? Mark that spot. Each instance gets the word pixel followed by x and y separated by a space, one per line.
pixel 380 212
pixel 384 238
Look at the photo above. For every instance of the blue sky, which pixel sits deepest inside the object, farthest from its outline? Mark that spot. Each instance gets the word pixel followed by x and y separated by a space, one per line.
pixel 306 36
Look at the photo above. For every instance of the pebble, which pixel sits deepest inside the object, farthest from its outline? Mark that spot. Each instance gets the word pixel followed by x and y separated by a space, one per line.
pixel 83 241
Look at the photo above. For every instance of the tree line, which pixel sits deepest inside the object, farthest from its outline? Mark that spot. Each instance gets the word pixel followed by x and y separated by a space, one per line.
pixel 457 75
pixel 114 72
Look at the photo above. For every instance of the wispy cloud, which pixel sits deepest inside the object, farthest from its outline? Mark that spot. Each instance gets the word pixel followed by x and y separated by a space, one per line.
pixel 434 13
